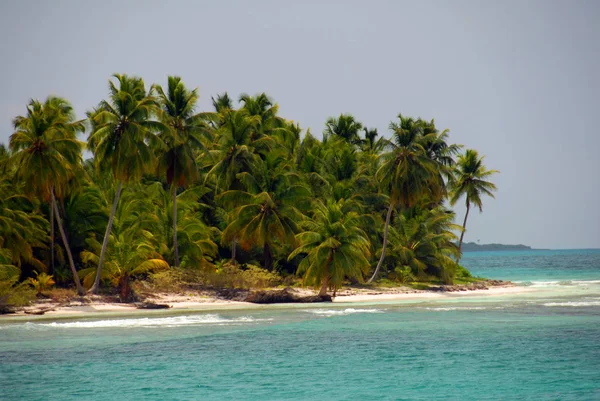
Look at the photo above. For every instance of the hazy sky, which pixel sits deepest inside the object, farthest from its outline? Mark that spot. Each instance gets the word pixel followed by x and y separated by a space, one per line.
pixel 518 81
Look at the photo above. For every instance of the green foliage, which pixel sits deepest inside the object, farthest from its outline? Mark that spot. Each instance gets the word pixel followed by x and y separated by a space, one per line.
pixel 192 189
pixel 471 175
pixel 14 294
pixel 403 275
pixel 424 242
pixel 247 276
pixel 42 282
pixel 335 247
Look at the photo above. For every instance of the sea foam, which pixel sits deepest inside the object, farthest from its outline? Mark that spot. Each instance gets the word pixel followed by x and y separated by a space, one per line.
pixel 172 321
pixel 341 312
pixel 451 308
pixel 573 303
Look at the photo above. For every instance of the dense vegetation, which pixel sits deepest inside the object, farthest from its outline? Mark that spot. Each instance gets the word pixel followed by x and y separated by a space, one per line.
pixel 220 193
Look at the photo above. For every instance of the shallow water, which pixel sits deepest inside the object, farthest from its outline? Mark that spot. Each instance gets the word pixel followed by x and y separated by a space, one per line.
pixel 541 345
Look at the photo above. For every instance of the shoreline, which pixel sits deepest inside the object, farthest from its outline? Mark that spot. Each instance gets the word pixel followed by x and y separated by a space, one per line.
pixel 195 303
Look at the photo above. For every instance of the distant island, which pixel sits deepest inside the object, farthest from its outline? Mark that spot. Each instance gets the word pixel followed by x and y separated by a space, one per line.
pixel 473 247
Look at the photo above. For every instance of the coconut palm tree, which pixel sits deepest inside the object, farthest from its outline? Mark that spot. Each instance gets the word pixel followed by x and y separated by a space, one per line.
pixel 471 177
pixel 222 102
pixel 335 247
pixel 238 149
pixel 123 140
pixel 407 172
pixel 425 243
pixel 22 228
pixel 344 126
pixel 183 134
pixel 261 105
pixel 46 155
pixel 133 253
pixel 268 211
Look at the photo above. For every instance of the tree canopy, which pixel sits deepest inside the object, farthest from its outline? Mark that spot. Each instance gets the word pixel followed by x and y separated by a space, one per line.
pixel 169 187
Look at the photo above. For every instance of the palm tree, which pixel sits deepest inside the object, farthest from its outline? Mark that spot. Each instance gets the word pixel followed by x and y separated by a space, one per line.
pixel 123 140
pixel 46 154
pixel 425 243
pixel 22 228
pixel 132 253
pixel 335 248
pixel 471 175
pixel 239 147
pixel 222 102
pixel 269 211
pixel 345 126
pixel 407 171
pixel 183 134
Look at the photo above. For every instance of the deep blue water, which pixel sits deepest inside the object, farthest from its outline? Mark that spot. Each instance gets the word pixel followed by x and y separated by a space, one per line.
pixel 542 345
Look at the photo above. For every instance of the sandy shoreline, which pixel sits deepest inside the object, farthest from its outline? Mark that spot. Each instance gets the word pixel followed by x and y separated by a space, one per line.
pixel 203 303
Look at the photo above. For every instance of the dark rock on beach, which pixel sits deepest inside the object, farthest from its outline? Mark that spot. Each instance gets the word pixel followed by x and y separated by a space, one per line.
pixel 284 296
pixel 480 285
pixel 150 305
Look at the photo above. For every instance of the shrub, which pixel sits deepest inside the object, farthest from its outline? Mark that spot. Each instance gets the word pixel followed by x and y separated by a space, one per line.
pixel 14 295
pixel 404 275
pixel 42 282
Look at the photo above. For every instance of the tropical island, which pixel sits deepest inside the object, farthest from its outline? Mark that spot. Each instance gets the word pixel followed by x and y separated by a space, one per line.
pixel 234 199
pixel 474 247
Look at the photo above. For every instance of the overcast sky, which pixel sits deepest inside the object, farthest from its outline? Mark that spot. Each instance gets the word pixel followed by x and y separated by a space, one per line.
pixel 518 81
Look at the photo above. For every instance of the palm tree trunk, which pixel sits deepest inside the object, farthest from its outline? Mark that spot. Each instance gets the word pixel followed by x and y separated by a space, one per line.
pixel 52 239
pixel 124 288
pixel 463 232
pixel 385 237
pixel 175 245
pixel 268 257
pixel 324 286
pixel 80 289
pixel 233 251
pixel 111 219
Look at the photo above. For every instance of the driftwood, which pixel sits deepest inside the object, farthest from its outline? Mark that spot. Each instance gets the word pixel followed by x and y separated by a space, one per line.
pixel 44 310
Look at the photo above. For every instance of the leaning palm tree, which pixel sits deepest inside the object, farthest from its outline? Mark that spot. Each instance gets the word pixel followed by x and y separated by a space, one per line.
pixel 183 133
pixel 123 140
pixel 46 155
pixel 407 172
pixel 471 182
pixel 335 248
pixel 133 253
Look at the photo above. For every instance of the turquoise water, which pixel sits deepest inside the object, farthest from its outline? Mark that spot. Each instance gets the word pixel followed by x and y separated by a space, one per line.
pixel 543 345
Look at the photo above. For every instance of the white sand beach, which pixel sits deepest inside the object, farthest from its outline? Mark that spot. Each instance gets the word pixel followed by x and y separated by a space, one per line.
pixel 191 302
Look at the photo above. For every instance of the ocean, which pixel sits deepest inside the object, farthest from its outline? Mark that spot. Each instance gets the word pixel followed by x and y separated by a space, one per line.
pixel 540 345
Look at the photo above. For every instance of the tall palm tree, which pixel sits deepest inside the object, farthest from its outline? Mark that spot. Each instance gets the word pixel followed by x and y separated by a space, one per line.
pixel 222 102
pixel 183 134
pixel 123 140
pixel 344 126
pixel 471 182
pixel 261 105
pixel 46 155
pixel 335 248
pixel 407 172
pixel 238 148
